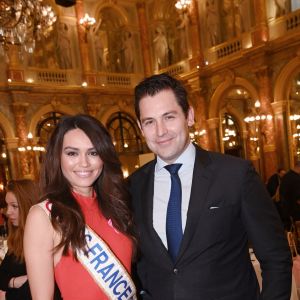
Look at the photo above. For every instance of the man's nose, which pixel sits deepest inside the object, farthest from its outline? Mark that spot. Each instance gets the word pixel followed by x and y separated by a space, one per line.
pixel 161 128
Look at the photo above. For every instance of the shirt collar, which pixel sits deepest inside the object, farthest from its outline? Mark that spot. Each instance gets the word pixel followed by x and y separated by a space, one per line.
pixel 187 159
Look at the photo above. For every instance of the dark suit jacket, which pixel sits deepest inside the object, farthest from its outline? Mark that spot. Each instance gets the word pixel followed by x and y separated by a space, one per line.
pixel 229 206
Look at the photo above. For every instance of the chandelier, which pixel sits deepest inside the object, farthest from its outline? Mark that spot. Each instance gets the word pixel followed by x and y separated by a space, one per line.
pixel 183 4
pixel 23 22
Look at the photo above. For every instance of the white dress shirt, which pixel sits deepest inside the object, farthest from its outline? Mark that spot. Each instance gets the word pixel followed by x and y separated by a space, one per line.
pixel 162 188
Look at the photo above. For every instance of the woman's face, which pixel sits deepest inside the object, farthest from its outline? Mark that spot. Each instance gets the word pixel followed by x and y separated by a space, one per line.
pixel 80 163
pixel 12 211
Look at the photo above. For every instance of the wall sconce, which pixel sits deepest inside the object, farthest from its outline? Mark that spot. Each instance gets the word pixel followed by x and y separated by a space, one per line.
pixel 183 4
pixel 256 119
pixel 30 146
pixel 87 22
pixel 257 116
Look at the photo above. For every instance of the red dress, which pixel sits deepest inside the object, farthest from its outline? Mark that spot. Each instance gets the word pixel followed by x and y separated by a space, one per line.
pixel 74 282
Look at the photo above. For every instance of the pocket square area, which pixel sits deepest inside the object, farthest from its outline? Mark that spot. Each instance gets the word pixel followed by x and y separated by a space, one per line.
pixel 214 207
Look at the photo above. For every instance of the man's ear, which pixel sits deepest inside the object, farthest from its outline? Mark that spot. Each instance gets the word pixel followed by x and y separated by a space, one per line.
pixel 190 117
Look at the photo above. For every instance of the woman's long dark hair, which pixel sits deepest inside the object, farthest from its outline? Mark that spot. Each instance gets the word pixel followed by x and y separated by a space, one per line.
pixel 112 195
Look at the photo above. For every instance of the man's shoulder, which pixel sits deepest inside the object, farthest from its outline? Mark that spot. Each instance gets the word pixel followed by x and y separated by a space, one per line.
pixel 143 170
pixel 220 158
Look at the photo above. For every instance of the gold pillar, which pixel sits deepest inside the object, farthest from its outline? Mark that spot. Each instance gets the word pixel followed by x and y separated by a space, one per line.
pixel 281 117
pixel 214 135
pixel 260 33
pixel 26 161
pixel 144 34
pixel 267 126
pixel 196 47
pixel 197 91
pixel 89 77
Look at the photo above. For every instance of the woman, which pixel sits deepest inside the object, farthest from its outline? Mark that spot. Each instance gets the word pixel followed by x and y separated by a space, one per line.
pixel 20 196
pixel 85 200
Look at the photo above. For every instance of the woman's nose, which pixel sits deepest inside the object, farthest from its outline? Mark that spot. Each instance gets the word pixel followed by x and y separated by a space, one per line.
pixel 84 161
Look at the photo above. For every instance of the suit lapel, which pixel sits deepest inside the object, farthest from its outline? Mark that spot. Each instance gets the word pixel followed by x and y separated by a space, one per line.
pixel 147 190
pixel 202 176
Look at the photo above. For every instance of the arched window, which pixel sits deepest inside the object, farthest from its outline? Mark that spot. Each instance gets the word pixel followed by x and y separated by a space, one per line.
pixel 125 134
pixel 46 126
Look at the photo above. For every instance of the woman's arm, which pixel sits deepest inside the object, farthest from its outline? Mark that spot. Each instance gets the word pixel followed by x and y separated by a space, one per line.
pixel 38 251
pixel 11 271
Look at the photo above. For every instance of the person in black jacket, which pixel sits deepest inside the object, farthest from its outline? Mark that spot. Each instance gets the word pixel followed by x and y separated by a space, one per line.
pixel 20 196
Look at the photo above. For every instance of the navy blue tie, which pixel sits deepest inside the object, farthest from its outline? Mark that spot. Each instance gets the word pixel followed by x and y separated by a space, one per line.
pixel 173 222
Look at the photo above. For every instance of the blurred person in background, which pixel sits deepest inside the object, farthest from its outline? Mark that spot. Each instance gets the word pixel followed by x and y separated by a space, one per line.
pixel 20 196
pixel 273 185
pixel 290 194
pixel 3 218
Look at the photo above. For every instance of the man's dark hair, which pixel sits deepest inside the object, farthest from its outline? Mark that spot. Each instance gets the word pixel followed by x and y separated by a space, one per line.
pixel 157 83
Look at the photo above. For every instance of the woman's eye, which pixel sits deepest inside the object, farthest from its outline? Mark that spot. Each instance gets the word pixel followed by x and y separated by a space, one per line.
pixel 15 206
pixel 71 153
pixel 94 153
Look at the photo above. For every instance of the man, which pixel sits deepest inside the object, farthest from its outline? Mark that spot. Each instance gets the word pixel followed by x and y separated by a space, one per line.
pixel 290 192
pixel 224 205
pixel 272 186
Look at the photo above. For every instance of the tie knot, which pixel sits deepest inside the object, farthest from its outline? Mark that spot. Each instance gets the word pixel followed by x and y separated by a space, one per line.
pixel 173 168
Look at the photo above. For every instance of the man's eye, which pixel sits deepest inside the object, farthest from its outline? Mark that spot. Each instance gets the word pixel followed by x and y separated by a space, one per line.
pixel 170 117
pixel 147 123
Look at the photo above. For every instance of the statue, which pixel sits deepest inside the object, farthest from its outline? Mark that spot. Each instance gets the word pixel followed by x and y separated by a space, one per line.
pixel 212 22
pixel 161 48
pixel 281 7
pixel 127 53
pixel 99 50
pixel 63 47
pixel 182 28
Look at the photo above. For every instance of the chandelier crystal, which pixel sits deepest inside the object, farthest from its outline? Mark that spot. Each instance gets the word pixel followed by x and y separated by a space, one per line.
pixel 23 22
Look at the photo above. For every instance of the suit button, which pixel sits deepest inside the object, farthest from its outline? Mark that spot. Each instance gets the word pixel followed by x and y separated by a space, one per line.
pixel 175 271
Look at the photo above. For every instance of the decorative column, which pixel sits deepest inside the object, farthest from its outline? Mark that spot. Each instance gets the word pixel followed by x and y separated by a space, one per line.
pixel 283 134
pixel 26 161
pixel 214 135
pixel 144 34
pixel 195 32
pixel 198 95
pixel 267 126
pixel 89 77
pixel 12 156
pixel 261 32
pixel 14 71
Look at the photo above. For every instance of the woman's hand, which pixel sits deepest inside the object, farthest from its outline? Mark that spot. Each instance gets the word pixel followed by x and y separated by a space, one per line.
pixel 2 295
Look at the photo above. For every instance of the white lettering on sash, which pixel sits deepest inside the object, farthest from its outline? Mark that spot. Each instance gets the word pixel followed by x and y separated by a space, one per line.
pixel 106 269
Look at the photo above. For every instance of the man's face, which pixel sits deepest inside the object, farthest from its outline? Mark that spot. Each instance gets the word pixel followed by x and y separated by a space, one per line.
pixel 164 125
